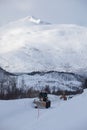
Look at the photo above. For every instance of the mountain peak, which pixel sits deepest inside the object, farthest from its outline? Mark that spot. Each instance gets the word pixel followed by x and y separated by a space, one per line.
pixel 32 19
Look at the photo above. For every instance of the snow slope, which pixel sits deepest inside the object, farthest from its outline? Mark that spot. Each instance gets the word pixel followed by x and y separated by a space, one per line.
pixel 63 115
pixel 30 45
pixel 55 80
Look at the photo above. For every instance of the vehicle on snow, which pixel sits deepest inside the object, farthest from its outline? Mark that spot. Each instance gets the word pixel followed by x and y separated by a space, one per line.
pixel 43 101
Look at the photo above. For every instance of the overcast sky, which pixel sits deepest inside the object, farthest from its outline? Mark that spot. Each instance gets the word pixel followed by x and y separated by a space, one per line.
pixel 53 11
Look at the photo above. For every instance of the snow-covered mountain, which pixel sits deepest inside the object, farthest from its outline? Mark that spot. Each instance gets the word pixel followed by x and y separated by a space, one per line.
pixel 26 47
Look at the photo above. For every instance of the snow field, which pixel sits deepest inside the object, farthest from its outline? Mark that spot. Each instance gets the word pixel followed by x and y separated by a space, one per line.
pixel 63 115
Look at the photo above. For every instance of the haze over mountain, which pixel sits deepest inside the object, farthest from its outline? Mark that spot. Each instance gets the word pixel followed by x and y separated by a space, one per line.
pixel 30 44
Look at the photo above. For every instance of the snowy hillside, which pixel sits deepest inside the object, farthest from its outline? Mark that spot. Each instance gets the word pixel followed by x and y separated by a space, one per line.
pixel 4 75
pixel 63 115
pixel 54 80
pixel 51 81
pixel 32 45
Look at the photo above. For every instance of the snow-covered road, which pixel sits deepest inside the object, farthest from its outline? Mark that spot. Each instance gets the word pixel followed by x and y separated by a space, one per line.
pixel 63 115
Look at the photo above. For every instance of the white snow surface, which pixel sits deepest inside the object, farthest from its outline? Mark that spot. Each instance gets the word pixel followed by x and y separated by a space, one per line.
pixel 30 45
pixel 63 115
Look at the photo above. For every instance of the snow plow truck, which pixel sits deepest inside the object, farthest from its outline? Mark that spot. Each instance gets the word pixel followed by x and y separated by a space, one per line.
pixel 43 101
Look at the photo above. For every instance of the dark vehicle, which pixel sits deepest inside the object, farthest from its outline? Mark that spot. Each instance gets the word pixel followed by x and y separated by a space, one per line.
pixel 43 101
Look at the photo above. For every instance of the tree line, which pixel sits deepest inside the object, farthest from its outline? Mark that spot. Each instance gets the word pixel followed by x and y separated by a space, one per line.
pixel 9 90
